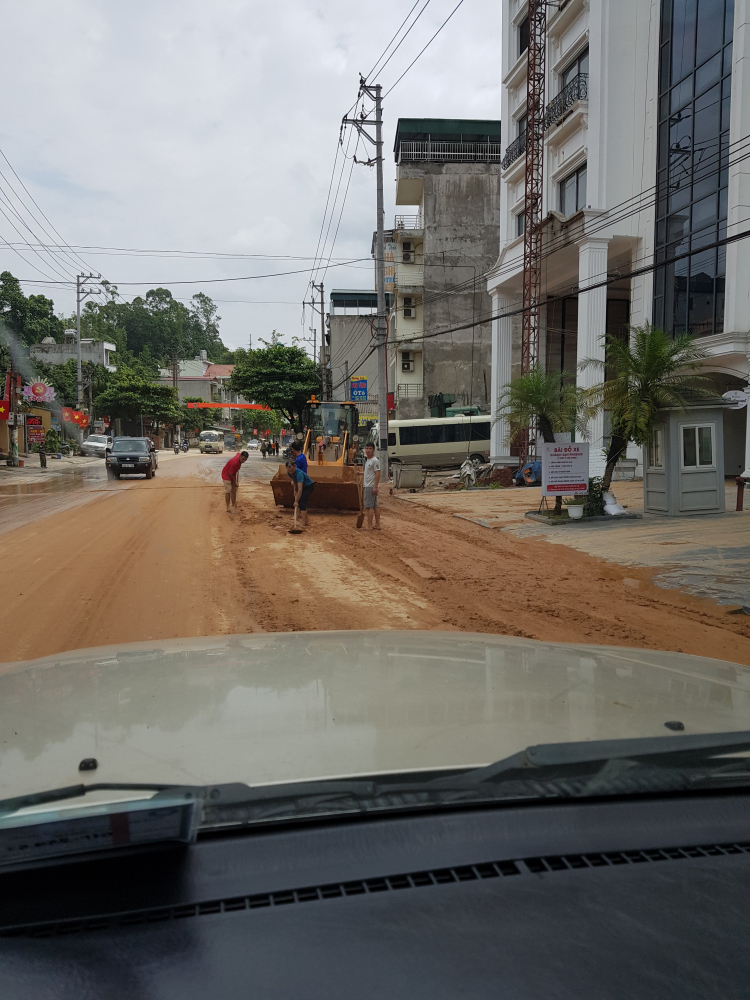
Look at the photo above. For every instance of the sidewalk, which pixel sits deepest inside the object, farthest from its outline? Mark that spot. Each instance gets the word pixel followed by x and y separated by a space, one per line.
pixel 704 555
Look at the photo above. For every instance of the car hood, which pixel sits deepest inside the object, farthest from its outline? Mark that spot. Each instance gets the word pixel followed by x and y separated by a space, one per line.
pixel 265 708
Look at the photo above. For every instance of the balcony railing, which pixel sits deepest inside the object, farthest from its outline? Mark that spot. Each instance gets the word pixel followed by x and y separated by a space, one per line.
pixel 410 390
pixel 466 152
pixel 557 109
pixel 577 90
pixel 409 275
pixel 409 222
pixel 517 148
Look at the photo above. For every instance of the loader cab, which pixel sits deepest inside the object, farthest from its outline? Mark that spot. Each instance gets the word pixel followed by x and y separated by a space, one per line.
pixel 331 430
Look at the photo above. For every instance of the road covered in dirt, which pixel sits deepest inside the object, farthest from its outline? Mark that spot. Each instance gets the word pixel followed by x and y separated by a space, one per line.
pixel 162 559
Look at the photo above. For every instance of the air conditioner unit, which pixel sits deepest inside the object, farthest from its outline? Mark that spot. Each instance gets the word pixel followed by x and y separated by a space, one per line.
pixel 409 312
pixel 407 253
pixel 407 366
pixel 407 356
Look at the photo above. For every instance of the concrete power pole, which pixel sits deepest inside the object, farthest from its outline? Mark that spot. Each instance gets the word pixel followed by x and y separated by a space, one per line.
pixel 82 293
pixel 321 361
pixel 374 92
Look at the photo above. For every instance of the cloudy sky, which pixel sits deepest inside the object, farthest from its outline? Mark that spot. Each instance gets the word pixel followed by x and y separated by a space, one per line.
pixel 181 125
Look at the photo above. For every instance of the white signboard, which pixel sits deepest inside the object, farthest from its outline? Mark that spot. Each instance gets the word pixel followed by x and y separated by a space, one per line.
pixel 565 468
pixel 736 399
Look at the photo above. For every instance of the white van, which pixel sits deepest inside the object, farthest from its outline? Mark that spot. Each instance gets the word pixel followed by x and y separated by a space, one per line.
pixel 211 442
pixel 438 442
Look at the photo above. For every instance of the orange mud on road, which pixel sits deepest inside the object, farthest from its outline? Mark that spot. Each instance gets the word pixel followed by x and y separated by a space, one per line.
pixel 163 559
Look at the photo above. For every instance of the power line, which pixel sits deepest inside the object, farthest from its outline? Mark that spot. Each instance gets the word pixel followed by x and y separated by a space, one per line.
pixel 423 50
pixel 403 39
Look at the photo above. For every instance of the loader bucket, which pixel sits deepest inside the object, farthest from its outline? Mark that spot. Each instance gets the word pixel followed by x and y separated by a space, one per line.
pixel 337 487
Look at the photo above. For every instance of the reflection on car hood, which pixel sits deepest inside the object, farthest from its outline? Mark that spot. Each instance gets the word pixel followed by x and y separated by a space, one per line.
pixel 287 706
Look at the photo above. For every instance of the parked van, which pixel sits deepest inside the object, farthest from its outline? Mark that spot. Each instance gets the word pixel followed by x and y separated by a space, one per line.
pixel 211 442
pixel 437 442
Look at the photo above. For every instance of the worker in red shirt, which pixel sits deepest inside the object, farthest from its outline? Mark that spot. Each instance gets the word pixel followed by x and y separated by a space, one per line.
pixel 229 474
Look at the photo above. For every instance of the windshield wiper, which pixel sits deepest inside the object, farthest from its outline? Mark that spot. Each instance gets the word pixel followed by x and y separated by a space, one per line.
pixel 657 751
pixel 76 791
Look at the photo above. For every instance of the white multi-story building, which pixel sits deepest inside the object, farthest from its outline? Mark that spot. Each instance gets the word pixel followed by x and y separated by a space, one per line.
pixel 648 118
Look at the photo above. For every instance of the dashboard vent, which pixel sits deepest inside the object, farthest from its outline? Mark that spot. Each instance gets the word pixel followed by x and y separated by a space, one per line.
pixel 388 883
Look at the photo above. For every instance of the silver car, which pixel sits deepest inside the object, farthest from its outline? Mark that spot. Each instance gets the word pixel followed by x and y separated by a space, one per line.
pixel 96 445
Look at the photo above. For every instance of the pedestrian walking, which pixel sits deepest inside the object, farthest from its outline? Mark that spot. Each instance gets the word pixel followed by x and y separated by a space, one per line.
pixel 299 459
pixel 263 449
pixel 276 447
pixel 371 484
pixel 303 487
pixel 42 455
pixel 229 475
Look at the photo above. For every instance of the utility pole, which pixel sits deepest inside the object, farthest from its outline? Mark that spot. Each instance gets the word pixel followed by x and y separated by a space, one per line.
pixel 82 293
pixel 347 389
pixel 322 360
pixel 175 386
pixel 374 92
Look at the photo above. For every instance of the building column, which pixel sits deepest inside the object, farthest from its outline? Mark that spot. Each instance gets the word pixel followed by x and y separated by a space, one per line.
pixel 592 326
pixel 500 376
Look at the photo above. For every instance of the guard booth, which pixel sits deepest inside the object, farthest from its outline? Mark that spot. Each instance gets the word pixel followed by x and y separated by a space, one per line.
pixel 683 464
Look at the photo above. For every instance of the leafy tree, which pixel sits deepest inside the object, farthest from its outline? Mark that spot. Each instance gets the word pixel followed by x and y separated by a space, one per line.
pixel 282 377
pixel 64 380
pixel 202 419
pixel 130 395
pixel 31 318
pixel 642 375
pixel 547 398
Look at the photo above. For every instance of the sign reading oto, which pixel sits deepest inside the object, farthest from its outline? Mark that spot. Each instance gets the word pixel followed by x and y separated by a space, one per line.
pixel 359 388
pixel 565 468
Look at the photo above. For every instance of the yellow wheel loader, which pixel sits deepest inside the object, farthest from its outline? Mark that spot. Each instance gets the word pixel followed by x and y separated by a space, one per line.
pixel 332 440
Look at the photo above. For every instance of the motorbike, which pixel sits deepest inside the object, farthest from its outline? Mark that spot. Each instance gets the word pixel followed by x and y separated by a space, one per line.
pixel 176 448
pixel 184 446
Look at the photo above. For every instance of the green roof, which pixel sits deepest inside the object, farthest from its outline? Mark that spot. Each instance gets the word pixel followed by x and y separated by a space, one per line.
pixel 449 129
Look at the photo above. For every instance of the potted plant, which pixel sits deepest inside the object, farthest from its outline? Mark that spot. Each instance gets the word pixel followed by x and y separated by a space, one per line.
pixel 575 506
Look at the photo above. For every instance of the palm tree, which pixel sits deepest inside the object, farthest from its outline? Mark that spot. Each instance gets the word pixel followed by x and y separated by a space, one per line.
pixel 648 372
pixel 547 398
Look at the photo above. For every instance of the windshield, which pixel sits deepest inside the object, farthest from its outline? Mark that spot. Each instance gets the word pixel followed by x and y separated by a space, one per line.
pixel 519 511
pixel 131 446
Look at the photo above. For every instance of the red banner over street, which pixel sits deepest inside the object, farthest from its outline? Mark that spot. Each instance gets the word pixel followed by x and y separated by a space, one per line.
pixel 227 406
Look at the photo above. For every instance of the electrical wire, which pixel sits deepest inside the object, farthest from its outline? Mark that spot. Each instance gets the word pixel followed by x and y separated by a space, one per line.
pixel 423 50
pixel 403 39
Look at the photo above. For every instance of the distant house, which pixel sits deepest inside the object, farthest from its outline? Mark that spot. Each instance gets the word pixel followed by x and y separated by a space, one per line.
pixel 200 377
pixel 49 352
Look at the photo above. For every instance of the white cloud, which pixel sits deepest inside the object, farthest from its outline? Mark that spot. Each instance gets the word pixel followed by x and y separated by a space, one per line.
pixel 178 124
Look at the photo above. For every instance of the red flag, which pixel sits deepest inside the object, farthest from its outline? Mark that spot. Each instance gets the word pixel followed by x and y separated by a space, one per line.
pixel 77 416
pixel 4 409
pixel 84 421
pixel 67 414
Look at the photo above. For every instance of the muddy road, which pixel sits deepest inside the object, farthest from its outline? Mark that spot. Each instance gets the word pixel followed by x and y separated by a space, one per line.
pixel 163 559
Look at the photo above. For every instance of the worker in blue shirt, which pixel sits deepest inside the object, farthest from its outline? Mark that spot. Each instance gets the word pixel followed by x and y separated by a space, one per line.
pixel 299 459
pixel 303 487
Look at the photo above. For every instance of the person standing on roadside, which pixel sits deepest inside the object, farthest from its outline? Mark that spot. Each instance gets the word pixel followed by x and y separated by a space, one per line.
pixel 371 484
pixel 229 475
pixel 42 455
pixel 299 459
pixel 303 487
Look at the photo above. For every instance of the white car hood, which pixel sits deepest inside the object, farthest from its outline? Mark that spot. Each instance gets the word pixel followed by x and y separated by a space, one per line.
pixel 287 706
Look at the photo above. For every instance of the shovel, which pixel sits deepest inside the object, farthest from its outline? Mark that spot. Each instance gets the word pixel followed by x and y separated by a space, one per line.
pixel 361 515
pixel 295 530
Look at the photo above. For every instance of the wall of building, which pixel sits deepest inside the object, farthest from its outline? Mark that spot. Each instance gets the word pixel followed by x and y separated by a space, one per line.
pixel 96 351
pixel 351 344
pixel 460 208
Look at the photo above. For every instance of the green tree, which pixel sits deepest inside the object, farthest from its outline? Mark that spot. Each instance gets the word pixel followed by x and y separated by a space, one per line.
pixel 282 377
pixel 547 398
pixel 130 396
pixel 642 375
pixel 192 419
pixel 32 318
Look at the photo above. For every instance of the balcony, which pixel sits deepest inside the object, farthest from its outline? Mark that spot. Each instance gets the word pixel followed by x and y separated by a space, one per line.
pixel 411 222
pixel 409 275
pixel 410 390
pixel 517 148
pixel 461 152
pixel 561 106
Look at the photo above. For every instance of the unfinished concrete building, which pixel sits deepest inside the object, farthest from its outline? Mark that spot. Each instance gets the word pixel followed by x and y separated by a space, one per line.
pixel 436 260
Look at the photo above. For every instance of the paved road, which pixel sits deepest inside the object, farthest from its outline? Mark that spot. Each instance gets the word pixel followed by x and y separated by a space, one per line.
pixel 138 560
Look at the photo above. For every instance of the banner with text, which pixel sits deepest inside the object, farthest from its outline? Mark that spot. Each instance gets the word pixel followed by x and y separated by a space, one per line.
pixel 565 468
